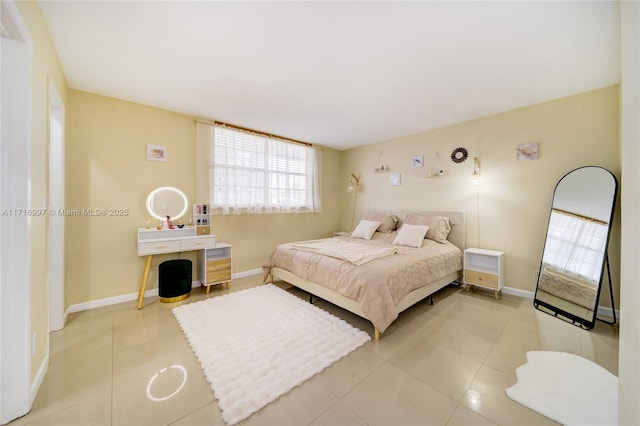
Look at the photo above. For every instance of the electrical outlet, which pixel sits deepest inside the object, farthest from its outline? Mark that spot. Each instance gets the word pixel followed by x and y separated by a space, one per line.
pixel 34 341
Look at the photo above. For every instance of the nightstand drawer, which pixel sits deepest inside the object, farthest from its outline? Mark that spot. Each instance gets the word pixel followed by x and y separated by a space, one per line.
pixel 219 277
pixel 481 278
pixel 218 270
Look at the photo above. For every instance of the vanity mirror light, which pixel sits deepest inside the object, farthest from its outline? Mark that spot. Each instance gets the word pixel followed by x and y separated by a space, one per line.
pixel 575 248
pixel 166 201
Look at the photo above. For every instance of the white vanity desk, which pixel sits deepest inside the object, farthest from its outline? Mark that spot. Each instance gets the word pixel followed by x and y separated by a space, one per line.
pixel 151 241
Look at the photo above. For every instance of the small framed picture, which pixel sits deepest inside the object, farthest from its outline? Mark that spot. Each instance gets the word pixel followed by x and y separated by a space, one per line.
pixel 417 161
pixel 394 179
pixel 527 151
pixel 156 153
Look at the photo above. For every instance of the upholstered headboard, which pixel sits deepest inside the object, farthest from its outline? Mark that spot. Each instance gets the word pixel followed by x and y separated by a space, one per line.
pixel 457 234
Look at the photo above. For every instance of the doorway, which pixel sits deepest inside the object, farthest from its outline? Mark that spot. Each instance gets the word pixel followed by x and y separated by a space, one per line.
pixel 16 391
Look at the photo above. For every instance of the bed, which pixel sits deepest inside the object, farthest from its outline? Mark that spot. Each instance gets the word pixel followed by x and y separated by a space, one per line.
pixel 568 286
pixel 377 289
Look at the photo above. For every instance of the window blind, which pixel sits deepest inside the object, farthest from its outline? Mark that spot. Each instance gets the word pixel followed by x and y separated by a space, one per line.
pixel 253 173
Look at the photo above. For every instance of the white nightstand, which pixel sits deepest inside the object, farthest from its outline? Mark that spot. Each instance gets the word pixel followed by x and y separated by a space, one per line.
pixel 214 266
pixel 484 268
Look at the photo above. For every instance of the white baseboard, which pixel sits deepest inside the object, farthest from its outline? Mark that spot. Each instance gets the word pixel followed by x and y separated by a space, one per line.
pixel 108 301
pixel 65 316
pixel 93 304
pixel 602 311
pixel 608 312
pixel 248 273
pixel 517 292
pixel 37 381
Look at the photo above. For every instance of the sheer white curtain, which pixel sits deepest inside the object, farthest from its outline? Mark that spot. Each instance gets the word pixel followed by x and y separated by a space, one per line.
pixel 254 173
pixel 576 245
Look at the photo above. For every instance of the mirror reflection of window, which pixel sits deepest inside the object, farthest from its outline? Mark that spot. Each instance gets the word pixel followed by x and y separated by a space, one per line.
pixel 576 245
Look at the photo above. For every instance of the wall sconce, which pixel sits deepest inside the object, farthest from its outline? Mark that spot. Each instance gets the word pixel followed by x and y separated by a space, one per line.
pixel 475 181
pixel 354 182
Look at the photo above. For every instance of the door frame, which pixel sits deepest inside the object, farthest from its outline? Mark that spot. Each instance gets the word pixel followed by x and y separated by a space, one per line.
pixel 16 390
pixel 57 314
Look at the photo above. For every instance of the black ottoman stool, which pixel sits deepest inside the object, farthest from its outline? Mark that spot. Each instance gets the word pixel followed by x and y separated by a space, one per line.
pixel 174 280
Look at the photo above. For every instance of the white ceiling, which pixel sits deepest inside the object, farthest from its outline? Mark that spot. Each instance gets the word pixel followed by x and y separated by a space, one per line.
pixel 339 74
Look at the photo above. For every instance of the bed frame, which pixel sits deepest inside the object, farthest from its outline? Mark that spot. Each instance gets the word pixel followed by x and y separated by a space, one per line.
pixel 457 237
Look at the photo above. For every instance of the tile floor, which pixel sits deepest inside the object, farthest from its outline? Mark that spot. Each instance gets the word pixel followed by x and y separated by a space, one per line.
pixel 445 364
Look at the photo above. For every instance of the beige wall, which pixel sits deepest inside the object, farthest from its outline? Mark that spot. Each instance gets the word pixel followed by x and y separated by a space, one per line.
pixel 46 68
pixel 515 198
pixel 107 168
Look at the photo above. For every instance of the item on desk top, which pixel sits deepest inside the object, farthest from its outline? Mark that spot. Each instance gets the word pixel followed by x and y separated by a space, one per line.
pixel 160 225
pixel 170 223
pixel 148 225
pixel 180 224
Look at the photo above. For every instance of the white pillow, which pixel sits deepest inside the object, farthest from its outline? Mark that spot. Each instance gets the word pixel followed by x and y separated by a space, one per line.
pixel 411 235
pixel 439 226
pixel 365 229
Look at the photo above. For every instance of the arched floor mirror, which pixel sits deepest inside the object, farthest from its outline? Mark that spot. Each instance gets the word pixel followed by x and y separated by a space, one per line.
pixel 575 249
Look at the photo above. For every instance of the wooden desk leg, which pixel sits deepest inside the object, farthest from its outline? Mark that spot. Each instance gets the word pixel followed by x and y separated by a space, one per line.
pixel 208 288
pixel 143 281
pixel 227 285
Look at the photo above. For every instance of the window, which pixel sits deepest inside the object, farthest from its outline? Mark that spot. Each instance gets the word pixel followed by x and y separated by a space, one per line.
pixel 250 172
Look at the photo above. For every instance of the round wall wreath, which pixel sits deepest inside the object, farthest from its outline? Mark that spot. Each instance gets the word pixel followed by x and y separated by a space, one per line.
pixel 459 155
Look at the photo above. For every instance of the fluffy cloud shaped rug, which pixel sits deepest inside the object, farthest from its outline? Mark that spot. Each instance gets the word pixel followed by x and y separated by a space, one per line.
pixel 567 388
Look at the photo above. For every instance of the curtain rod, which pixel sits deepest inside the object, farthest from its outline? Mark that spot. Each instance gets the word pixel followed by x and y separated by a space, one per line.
pixel 580 216
pixel 245 129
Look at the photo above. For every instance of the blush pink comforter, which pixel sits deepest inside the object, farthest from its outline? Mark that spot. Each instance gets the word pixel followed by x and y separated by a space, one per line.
pixel 378 285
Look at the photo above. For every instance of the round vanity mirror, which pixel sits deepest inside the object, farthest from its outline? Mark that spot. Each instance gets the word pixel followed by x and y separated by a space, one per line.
pixel 166 201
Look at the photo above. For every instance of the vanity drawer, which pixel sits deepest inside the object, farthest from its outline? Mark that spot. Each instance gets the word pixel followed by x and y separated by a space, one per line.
pixel 218 270
pixel 198 243
pixel 480 278
pixel 158 247
pixel 203 230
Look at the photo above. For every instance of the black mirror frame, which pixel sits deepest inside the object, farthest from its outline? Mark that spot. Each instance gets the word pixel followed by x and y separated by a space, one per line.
pixel 584 323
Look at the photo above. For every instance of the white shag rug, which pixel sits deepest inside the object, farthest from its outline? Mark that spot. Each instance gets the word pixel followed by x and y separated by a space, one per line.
pixel 255 345
pixel 567 388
